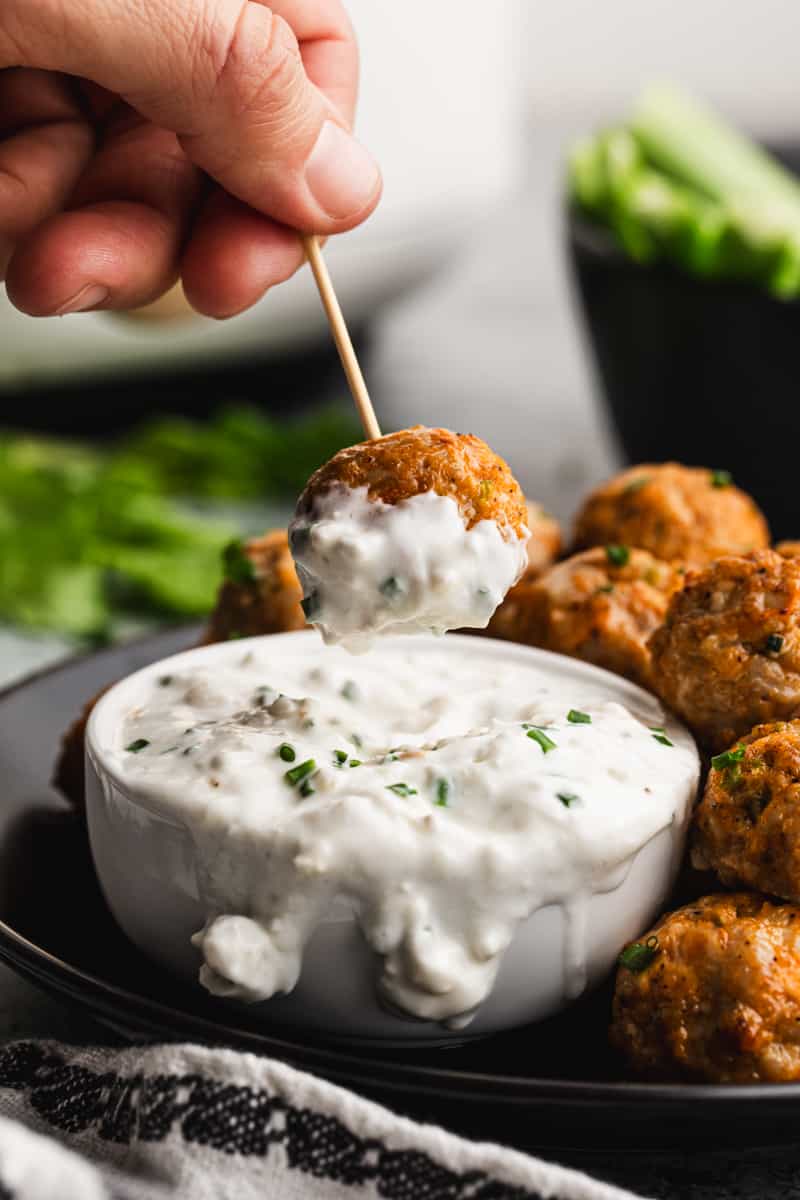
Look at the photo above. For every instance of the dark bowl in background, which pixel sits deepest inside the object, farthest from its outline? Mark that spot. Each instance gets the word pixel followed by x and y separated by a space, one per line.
pixel 705 372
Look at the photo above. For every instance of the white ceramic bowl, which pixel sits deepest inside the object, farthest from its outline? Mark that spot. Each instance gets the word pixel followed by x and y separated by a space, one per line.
pixel 146 866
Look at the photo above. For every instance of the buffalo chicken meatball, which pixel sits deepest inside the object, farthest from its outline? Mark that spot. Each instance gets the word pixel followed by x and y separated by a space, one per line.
pixel 689 515
pixel 261 592
pixel 728 654
pixel 747 825
pixel 713 993
pixel 419 530
pixel 544 543
pixel 601 606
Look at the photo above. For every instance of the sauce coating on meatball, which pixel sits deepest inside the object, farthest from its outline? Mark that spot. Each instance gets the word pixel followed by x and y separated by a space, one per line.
pixel 419 530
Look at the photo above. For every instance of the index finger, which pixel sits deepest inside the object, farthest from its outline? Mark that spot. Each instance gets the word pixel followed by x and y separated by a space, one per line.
pixel 328 47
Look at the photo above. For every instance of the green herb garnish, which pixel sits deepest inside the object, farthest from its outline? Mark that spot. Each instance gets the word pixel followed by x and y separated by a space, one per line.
pixel 401 789
pixel 618 556
pixel 442 793
pixel 639 955
pixel 356 740
pixel 391 588
pixel 349 690
pixel 138 745
pixel 575 717
pixel 296 774
pixel 721 479
pixel 340 757
pixel 356 762
pixel 541 738
pixel 286 752
pixel 307 788
pixel 660 735
pixel 237 567
pixel 567 798
pixel 774 643
pixel 730 758
pixel 165 681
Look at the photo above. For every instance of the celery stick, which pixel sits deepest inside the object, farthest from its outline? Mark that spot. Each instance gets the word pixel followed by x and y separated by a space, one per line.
pixel 687 140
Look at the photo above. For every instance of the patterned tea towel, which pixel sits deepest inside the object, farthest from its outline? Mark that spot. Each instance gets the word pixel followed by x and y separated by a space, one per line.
pixel 197 1124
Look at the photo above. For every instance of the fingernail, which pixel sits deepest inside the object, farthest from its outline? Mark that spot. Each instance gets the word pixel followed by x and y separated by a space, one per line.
pixel 341 174
pixel 92 295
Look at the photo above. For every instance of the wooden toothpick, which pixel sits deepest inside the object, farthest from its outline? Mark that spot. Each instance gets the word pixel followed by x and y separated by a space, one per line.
pixel 341 336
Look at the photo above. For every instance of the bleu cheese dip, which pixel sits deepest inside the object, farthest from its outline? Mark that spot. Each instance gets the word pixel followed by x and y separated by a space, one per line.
pixel 442 791
pixel 371 568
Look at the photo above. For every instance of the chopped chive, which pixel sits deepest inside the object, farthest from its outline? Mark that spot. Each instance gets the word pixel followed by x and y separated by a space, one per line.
pixel 401 789
pixel 339 757
pixel 286 752
pixel 311 605
pixel 237 567
pixel 721 479
pixel 660 735
pixel 391 587
pixel 234 636
pixel 296 774
pixel 442 793
pixel 355 762
pixel 138 745
pixel 356 740
pixel 567 798
pixel 730 758
pixel 349 690
pixel 541 738
pixel 576 717
pixel 307 788
pixel 774 643
pixel 165 681
pixel 618 556
pixel 639 955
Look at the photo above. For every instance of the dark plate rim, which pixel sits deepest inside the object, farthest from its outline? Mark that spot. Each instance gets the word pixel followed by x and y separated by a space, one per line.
pixel 116 1004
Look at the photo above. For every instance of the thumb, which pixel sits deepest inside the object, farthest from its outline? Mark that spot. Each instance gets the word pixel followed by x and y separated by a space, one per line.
pixel 226 76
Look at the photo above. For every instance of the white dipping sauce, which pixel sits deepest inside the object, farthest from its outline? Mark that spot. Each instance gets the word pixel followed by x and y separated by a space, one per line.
pixel 446 802
pixel 371 568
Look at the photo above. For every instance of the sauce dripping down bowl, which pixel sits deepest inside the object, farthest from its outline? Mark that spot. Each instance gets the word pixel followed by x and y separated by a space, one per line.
pixel 482 827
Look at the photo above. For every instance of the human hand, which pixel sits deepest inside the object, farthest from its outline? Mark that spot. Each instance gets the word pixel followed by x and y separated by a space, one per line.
pixel 143 140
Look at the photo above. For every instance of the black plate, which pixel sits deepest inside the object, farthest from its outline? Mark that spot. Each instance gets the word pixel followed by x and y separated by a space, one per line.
pixel 553 1086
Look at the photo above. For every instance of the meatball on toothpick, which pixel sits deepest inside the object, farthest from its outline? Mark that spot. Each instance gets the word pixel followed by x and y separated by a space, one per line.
pixel 419 530
pixel 713 993
pixel 728 654
pixel 601 606
pixel 689 515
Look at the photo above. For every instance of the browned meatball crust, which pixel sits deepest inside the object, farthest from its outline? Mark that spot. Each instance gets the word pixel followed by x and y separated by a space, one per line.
pixel 717 997
pixel 418 460
pixel 747 825
pixel 266 602
pixel 689 515
pixel 544 544
pixel 600 605
pixel 728 654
